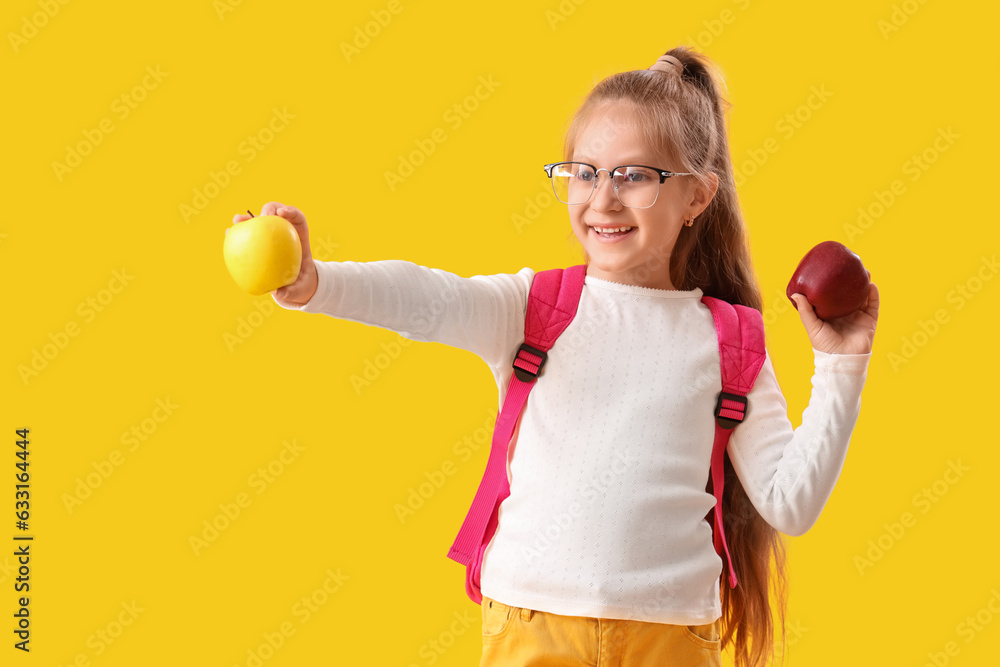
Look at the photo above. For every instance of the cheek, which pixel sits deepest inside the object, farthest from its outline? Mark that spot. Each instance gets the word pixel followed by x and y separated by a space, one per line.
pixel 659 219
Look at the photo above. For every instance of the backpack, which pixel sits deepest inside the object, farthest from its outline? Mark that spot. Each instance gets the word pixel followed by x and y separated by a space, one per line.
pixel 552 304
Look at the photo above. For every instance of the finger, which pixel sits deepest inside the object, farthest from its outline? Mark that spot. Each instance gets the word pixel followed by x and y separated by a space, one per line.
pixel 292 215
pixel 873 300
pixel 298 220
pixel 239 217
pixel 271 208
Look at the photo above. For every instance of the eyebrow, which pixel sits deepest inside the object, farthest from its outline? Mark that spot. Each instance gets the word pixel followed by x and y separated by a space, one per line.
pixel 633 160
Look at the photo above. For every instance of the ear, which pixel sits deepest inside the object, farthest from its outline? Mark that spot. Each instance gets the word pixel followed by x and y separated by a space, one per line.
pixel 702 195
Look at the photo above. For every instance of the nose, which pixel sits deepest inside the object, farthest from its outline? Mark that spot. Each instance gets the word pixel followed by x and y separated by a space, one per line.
pixel 605 198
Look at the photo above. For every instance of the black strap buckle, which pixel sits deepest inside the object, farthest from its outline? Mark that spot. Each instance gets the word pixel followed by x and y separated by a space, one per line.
pixel 730 409
pixel 528 370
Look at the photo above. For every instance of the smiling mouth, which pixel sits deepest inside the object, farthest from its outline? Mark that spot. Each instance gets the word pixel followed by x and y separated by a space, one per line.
pixel 613 232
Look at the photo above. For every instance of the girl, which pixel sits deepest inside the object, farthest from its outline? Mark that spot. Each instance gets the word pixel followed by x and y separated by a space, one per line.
pixel 603 554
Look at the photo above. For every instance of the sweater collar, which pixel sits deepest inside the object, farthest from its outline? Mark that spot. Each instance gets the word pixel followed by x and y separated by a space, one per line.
pixel 639 290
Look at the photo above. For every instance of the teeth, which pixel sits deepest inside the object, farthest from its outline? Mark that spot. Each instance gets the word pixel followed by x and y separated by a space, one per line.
pixel 612 229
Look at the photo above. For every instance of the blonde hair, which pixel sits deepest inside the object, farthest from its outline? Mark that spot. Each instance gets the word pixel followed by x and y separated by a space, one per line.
pixel 680 111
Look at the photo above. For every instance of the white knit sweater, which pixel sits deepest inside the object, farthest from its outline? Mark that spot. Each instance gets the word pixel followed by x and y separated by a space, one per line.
pixel 610 459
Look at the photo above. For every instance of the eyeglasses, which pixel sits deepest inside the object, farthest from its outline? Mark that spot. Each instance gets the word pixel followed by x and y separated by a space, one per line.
pixel 636 185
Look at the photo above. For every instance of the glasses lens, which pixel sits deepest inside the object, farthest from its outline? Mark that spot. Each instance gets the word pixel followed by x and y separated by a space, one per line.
pixel 637 186
pixel 572 182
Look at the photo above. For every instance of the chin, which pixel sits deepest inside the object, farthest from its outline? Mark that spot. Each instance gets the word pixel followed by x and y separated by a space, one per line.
pixel 611 265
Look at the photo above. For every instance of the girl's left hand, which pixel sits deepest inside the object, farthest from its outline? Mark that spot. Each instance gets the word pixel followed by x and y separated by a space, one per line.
pixel 851 334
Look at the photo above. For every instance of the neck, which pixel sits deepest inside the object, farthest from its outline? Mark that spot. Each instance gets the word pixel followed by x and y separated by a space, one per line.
pixel 638 277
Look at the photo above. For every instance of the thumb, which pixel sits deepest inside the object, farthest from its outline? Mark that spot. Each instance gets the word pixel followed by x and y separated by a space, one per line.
pixel 806 313
pixel 291 214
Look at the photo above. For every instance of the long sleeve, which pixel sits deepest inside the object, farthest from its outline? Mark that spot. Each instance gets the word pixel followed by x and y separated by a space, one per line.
pixel 481 314
pixel 789 475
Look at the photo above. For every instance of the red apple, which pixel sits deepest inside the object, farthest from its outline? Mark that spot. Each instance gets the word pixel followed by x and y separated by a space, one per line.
pixel 833 280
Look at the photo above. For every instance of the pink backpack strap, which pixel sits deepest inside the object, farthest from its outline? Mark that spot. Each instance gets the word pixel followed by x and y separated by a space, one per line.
pixel 740 331
pixel 552 304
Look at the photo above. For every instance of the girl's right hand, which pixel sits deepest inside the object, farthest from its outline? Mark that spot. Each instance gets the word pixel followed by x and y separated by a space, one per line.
pixel 302 290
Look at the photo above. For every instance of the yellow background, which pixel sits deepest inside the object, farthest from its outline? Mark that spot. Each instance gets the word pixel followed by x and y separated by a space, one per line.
pixel 164 334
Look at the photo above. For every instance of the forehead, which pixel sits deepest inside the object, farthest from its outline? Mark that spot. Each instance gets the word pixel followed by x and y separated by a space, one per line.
pixel 612 135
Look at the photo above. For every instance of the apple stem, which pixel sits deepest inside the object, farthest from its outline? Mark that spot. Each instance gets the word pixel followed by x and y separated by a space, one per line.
pixel 251 214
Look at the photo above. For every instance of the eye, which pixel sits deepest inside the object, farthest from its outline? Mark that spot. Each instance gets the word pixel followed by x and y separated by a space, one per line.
pixel 634 175
pixel 584 173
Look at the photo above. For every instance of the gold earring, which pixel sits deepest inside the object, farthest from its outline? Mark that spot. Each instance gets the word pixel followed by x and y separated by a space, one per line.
pixel 689 222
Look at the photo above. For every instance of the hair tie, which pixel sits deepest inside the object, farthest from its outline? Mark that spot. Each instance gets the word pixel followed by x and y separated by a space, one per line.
pixel 668 63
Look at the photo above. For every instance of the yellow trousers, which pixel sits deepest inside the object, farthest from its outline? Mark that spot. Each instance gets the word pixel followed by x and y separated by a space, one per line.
pixel 519 637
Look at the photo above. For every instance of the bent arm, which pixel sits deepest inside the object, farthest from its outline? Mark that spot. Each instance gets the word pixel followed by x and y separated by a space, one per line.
pixel 789 474
pixel 482 314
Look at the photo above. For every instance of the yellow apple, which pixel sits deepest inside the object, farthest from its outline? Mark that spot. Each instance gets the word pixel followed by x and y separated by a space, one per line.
pixel 262 253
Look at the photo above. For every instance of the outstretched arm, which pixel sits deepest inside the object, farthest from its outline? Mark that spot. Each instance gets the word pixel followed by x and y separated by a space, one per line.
pixel 483 314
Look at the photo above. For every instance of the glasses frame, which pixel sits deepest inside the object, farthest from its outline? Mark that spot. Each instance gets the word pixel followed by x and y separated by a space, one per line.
pixel 663 173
